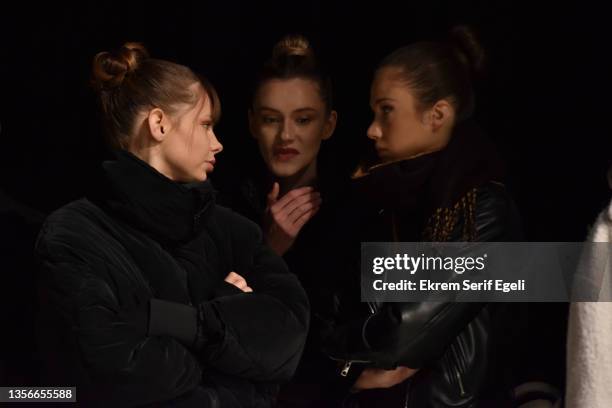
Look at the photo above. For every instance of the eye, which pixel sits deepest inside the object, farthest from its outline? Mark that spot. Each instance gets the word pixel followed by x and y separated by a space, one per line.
pixel 304 120
pixel 270 119
pixel 386 109
pixel 207 125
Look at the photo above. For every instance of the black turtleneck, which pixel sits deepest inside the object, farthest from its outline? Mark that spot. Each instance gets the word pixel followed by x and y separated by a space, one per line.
pixel 169 212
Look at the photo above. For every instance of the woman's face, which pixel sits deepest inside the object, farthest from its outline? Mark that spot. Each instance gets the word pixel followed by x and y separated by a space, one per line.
pixel 399 129
pixel 189 147
pixel 289 121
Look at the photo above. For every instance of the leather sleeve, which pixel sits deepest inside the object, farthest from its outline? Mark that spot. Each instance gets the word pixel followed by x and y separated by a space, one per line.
pixel 416 333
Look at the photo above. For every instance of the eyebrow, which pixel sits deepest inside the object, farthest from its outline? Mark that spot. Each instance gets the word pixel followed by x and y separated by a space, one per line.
pixel 277 111
pixel 379 100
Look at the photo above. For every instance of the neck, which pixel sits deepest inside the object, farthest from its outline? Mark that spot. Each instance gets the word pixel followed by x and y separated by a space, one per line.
pixel 305 177
pixel 147 149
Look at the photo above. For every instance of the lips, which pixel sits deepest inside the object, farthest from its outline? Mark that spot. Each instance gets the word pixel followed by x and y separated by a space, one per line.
pixel 382 152
pixel 285 153
pixel 211 163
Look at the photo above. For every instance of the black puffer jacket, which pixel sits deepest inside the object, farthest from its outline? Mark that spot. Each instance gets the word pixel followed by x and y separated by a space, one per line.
pixel 135 307
pixel 449 342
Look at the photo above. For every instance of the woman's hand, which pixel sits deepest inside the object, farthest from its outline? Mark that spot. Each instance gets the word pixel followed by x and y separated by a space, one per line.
pixel 238 281
pixel 286 217
pixel 379 378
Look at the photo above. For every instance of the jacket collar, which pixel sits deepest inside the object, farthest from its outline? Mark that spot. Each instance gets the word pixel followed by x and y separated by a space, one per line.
pixel 435 180
pixel 168 211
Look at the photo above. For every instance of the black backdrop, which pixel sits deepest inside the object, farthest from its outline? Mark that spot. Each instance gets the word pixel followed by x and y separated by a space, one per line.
pixel 545 101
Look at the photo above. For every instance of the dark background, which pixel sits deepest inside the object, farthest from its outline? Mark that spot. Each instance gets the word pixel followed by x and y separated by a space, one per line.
pixel 545 101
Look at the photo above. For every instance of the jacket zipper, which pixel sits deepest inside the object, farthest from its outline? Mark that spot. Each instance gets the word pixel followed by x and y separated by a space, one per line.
pixel 461 389
pixel 408 386
pixel 347 364
pixel 346 368
pixel 458 371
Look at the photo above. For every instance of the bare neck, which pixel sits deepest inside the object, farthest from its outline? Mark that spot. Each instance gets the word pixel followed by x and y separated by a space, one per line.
pixel 305 177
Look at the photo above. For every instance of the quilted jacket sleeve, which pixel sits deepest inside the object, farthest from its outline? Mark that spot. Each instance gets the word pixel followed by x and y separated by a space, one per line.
pixel 261 334
pixel 101 315
pixel 258 335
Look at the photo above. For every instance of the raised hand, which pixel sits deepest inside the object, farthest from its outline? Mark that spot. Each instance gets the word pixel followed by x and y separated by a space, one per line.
pixel 286 216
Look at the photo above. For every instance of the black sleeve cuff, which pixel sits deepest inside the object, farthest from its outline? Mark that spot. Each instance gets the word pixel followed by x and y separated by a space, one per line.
pixel 210 327
pixel 173 319
pixel 226 289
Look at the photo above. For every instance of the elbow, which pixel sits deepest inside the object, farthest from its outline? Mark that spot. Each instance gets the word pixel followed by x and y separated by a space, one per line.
pixel 285 356
pixel 283 369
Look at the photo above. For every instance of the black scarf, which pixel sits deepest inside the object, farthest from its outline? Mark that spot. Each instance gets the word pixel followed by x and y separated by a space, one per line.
pixel 431 181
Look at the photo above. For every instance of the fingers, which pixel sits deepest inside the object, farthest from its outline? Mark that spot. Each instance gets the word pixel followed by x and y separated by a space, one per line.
pixel 305 217
pixel 301 204
pixel 289 214
pixel 312 204
pixel 273 194
pixel 379 378
pixel 402 373
pixel 391 378
pixel 292 209
pixel 232 277
pixel 238 281
pixel 290 196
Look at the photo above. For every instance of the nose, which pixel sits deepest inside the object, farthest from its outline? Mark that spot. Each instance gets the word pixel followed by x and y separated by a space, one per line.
pixel 215 145
pixel 287 131
pixel 374 131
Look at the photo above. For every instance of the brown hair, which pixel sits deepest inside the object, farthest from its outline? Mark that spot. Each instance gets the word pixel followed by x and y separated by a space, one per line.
pixel 128 81
pixel 438 70
pixel 293 57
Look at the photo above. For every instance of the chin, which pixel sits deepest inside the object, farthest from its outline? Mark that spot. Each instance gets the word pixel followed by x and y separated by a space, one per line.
pixel 283 170
pixel 197 177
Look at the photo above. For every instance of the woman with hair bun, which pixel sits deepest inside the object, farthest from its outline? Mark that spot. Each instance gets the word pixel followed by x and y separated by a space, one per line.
pixel 297 196
pixel 290 116
pixel 153 295
pixel 438 179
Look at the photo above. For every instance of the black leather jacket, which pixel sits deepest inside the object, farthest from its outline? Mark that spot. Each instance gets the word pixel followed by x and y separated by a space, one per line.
pixel 448 342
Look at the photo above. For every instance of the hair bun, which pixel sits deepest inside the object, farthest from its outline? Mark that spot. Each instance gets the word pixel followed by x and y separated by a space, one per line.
pixel 110 68
pixel 468 49
pixel 292 45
